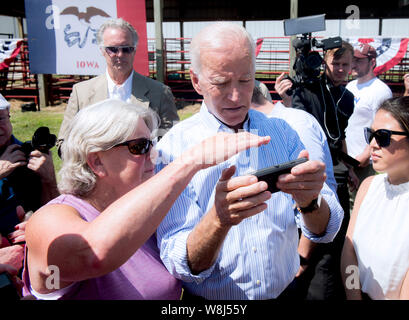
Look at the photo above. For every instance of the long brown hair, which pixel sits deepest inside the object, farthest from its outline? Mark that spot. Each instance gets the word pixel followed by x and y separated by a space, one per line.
pixel 399 109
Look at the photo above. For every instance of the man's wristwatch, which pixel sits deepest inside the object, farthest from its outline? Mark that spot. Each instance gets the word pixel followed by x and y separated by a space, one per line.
pixel 314 205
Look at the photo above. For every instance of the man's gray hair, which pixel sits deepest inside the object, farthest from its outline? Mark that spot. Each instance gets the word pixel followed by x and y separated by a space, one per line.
pixel 118 23
pixel 218 36
pixel 98 127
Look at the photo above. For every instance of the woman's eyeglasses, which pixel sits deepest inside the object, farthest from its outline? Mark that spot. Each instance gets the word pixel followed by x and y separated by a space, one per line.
pixel 382 136
pixel 137 146
pixel 111 50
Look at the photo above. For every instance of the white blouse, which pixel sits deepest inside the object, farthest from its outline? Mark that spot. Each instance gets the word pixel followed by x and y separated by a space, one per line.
pixel 381 238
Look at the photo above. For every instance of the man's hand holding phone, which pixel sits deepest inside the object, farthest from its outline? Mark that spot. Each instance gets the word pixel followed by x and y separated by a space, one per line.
pixel 305 181
pixel 240 197
pixel 270 175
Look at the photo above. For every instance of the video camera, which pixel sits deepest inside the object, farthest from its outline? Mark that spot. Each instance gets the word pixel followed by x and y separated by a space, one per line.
pixel 42 140
pixel 308 63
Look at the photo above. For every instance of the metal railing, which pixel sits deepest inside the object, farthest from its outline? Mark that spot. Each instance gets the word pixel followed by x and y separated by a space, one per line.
pixel 17 81
pixel 272 60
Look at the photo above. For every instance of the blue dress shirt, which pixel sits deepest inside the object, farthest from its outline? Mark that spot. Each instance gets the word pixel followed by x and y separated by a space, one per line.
pixel 258 258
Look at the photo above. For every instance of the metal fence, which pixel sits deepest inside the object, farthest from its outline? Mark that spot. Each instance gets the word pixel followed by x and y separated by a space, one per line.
pixel 272 59
pixel 17 81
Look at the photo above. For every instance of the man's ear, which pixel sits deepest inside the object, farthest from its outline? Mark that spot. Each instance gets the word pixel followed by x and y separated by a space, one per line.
pixel 195 81
pixel 373 63
pixel 96 165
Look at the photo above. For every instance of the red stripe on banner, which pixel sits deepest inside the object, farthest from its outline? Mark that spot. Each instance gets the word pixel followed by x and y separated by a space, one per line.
pixel 395 60
pixel 365 40
pixel 6 62
pixel 134 12
pixel 259 43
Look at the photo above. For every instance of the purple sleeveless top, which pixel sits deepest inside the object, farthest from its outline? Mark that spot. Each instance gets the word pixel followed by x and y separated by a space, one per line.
pixel 142 277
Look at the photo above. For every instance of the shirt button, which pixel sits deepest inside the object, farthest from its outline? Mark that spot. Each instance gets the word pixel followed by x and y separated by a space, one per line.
pixel 258 282
pixel 254 249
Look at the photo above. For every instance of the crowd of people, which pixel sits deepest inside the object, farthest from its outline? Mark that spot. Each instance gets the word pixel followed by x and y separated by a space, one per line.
pixel 147 207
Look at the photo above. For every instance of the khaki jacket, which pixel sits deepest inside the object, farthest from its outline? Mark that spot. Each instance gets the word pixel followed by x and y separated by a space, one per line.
pixel 150 92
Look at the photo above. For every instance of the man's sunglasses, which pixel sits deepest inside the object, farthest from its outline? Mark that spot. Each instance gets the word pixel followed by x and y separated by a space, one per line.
pixel 137 146
pixel 114 50
pixel 382 136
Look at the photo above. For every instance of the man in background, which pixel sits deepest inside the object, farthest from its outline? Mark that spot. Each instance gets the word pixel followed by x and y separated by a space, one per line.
pixel 226 237
pixel 118 41
pixel 369 92
pixel 331 104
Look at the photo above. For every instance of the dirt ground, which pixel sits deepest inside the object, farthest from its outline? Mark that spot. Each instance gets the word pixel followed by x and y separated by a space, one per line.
pixel 16 106
pixel 189 109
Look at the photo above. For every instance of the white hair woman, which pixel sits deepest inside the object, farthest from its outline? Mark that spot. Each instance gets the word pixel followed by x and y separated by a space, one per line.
pixel 99 234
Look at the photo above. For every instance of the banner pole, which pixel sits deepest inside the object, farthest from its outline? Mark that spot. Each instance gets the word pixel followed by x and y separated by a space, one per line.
pixel 293 14
pixel 160 65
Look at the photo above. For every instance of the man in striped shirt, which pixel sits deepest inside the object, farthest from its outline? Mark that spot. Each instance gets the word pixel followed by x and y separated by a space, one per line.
pixel 227 237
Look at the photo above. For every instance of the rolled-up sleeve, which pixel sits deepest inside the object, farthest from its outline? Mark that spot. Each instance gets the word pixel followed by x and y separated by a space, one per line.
pixel 172 235
pixel 335 218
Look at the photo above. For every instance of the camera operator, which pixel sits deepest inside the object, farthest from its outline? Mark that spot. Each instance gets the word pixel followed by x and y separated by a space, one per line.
pixel 332 105
pixel 26 183
pixel 38 184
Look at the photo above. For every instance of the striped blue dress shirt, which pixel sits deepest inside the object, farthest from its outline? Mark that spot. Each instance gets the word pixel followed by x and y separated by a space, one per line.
pixel 259 256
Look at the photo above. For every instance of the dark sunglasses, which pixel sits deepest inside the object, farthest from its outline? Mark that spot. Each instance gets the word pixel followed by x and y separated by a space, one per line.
pixel 115 50
pixel 382 136
pixel 137 146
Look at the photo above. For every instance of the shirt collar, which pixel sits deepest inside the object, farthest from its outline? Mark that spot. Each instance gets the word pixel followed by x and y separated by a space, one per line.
pixel 215 124
pixel 126 86
pixel 14 140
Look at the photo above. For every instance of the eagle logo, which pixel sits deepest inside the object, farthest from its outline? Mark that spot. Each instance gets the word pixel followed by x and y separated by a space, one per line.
pixel 86 16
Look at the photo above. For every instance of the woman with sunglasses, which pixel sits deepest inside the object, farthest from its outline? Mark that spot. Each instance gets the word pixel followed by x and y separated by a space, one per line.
pixel 375 257
pixel 97 240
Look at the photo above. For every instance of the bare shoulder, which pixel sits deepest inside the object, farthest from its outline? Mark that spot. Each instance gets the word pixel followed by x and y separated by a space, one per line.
pixel 363 190
pixel 44 227
pixel 50 221
pixel 54 212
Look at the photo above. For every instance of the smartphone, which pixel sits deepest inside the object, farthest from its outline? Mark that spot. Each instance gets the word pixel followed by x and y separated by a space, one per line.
pixel 270 174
